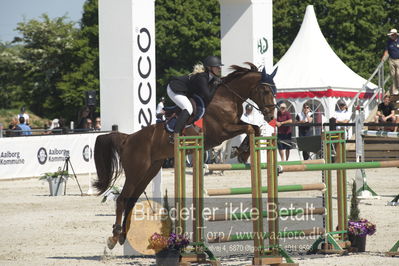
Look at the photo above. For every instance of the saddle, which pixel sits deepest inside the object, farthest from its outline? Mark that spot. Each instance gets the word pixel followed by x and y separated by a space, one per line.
pixel 171 113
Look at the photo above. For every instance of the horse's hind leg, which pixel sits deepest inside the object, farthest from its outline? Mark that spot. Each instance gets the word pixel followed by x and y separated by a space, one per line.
pixel 123 199
pixel 117 228
pixel 131 201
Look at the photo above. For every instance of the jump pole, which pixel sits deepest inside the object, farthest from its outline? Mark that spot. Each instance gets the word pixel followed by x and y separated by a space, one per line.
pixel 339 166
pixel 242 166
pixel 196 145
pixel 284 212
pixel 385 134
pixel 248 190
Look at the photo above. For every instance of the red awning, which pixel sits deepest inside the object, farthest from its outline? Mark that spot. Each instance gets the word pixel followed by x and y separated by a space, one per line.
pixel 323 93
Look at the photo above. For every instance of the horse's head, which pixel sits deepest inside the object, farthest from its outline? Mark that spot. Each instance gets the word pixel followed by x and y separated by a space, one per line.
pixel 264 95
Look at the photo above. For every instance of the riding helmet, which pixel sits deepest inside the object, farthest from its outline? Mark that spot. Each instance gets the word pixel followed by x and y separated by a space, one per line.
pixel 212 61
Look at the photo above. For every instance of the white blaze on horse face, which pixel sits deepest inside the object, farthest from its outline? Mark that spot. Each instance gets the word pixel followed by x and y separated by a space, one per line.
pixel 275 109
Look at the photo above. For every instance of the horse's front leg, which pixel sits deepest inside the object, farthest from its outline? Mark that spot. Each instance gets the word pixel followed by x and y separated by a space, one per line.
pixel 243 152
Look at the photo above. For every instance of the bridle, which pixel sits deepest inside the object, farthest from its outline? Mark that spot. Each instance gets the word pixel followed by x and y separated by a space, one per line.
pixel 240 97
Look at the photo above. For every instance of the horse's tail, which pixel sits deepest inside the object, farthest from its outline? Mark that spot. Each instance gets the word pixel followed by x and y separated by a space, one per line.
pixel 106 157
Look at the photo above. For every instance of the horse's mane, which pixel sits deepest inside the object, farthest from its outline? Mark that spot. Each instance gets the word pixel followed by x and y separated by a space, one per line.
pixel 239 71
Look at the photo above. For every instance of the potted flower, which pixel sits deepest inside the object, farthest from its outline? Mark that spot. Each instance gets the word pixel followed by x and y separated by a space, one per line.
pixel 167 248
pixel 57 181
pixel 167 245
pixel 358 229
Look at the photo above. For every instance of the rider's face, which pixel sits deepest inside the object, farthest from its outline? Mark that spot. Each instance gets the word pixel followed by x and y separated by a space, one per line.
pixel 216 70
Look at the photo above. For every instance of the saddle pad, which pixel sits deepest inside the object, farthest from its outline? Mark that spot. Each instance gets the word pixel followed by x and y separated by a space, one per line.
pixel 200 111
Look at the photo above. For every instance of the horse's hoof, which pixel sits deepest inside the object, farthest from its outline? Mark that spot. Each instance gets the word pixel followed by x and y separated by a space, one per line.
pixel 111 242
pixel 122 238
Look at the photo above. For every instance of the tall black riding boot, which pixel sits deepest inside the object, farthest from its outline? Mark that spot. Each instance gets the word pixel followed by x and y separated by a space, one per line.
pixel 181 121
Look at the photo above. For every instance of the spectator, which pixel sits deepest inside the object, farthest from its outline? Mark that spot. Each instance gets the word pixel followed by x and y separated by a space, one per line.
pixel 59 127
pixel 305 117
pixel 392 50
pixel 26 130
pixel 247 116
pixel 83 115
pixel 283 132
pixel 97 126
pixel 386 112
pixel 342 116
pixel 13 129
pixel 23 114
pixel 55 123
pixel 160 112
pixel 89 124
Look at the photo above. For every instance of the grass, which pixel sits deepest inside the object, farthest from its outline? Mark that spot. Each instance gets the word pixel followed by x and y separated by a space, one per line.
pixel 6 115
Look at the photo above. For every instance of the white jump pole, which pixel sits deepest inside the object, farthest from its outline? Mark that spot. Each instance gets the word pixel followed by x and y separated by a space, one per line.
pixel 385 134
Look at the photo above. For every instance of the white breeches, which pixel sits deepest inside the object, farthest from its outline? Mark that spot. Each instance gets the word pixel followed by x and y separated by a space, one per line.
pixel 180 100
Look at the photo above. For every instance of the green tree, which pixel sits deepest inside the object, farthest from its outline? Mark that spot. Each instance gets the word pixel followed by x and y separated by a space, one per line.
pixel 11 69
pixel 84 74
pixel 186 32
pixel 46 54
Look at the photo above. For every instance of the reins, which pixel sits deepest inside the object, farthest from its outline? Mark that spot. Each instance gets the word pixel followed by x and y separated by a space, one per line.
pixel 244 100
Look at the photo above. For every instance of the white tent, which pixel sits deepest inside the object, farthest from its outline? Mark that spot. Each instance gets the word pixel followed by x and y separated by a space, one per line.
pixel 310 69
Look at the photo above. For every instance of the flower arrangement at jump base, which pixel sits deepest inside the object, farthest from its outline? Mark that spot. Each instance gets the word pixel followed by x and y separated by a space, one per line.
pixel 358 229
pixel 167 245
pixel 167 248
pixel 160 242
pixel 361 228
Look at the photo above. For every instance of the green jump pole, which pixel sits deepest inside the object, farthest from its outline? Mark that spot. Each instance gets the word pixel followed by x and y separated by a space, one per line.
pixel 246 166
pixel 248 190
pixel 283 234
pixel 338 166
pixel 283 212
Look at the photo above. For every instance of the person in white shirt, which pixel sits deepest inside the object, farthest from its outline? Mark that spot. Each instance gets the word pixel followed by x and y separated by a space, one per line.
pixel 343 116
pixel 248 116
pixel 24 115
pixel 160 113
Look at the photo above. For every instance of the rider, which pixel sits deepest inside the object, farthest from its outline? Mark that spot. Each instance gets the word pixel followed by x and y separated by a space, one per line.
pixel 202 84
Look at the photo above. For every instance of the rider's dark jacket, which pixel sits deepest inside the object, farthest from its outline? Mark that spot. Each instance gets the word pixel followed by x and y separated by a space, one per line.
pixel 202 84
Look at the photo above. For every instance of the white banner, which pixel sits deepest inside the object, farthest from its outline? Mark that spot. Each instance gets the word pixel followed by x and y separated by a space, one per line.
pixel 34 155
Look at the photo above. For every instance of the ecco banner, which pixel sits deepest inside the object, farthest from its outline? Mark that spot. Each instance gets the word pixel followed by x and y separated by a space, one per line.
pixel 127 64
pixel 35 155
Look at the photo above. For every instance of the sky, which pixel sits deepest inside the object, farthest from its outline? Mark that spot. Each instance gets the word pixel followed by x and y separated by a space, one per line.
pixel 14 11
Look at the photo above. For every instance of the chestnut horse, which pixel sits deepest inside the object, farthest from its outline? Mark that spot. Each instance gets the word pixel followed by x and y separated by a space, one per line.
pixel 141 154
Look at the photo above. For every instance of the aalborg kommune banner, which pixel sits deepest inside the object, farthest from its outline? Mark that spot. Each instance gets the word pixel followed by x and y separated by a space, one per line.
pixel 35 155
